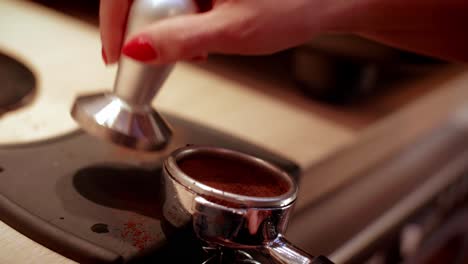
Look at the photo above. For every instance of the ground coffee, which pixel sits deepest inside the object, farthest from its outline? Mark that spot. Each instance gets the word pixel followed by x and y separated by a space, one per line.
pixel 233 175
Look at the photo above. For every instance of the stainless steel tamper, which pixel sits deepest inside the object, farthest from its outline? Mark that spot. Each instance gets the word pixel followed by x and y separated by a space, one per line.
pixel 125 116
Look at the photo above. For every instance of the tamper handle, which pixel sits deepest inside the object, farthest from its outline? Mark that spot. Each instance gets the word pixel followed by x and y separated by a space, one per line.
pixel 125 117
pixel 137 83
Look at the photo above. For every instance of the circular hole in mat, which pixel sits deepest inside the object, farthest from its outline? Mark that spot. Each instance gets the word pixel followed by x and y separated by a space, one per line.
pixel 17 84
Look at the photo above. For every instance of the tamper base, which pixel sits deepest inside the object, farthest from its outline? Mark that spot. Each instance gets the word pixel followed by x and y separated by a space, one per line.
pixel 108 117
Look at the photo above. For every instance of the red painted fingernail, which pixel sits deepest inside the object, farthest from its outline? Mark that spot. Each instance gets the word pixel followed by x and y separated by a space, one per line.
pixel 104 57
pixel 141 49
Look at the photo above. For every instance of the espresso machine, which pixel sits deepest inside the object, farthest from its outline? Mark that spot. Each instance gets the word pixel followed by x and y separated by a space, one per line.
pixel 117 194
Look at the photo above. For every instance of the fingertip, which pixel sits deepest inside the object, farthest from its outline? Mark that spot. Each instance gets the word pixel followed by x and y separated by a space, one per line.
pixel 107 59
pixel 140 48
pixel 104 56
pixel 183 38
pixel 112 24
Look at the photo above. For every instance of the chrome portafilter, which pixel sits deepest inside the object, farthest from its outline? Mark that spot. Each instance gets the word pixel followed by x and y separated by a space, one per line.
pixel 232 201
pixel 125 116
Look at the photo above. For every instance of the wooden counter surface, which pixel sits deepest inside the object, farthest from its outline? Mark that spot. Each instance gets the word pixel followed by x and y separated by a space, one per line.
pixel 64 54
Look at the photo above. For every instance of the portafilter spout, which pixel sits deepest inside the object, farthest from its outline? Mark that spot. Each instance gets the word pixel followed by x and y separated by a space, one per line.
pixel 125 116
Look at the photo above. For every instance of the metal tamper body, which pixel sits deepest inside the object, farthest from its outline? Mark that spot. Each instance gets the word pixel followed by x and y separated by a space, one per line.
pixel 125 116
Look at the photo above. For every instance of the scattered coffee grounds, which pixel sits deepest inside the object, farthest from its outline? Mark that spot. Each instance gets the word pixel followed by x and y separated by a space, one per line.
pixel 135 232
pixel 233 175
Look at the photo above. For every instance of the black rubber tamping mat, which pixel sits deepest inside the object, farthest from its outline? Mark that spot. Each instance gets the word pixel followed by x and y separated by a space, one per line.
pixel 95 202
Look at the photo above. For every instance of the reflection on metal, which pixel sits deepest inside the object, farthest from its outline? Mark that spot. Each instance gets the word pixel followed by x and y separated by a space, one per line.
pixel 107 116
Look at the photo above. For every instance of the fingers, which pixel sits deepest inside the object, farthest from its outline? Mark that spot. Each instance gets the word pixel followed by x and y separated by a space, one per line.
pixel 112 23
pixel 184 37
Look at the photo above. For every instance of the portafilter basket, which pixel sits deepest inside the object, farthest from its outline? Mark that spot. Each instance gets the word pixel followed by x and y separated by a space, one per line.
pixel 232 200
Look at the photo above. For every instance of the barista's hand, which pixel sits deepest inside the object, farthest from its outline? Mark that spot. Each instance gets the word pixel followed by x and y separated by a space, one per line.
pixel 230 26
pixel 436 27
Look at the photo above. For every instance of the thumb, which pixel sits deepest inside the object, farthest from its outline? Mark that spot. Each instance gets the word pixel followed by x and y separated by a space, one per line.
pixel 176 38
